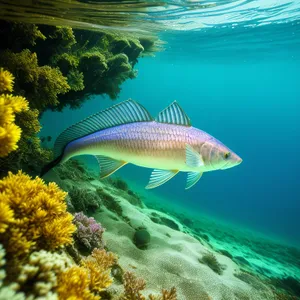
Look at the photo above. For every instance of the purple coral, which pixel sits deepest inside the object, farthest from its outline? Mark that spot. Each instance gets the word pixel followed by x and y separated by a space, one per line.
pixel 89 232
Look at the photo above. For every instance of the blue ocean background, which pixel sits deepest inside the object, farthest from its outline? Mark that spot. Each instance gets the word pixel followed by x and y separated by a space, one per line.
pixel 241 85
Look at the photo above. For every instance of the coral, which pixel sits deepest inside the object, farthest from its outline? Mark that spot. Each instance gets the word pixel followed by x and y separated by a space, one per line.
pixel 134 287
pixel 89 232
pixel 6 81
pixel 211 261
pixel 83 199
pixel 99 266
pixel 24 146
pixel 9 291
pixel 6 216
pixel 10 133
pixel 79 282
pixel 40 219
pixel 39 274
pixel 165 295
pixel 74 285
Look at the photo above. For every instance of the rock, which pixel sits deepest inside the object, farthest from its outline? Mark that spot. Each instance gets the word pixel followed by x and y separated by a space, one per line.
pixel 141 238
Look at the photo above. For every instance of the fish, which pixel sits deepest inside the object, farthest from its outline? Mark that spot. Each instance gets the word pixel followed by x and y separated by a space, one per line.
pixel 127 133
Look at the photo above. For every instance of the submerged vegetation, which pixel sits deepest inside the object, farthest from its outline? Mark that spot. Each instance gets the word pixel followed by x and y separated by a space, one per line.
pixel 52 245
pixel 54 67
pixel 57 66
pixel 211 261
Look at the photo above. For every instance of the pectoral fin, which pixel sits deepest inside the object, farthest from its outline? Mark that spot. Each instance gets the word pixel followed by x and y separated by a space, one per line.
pixel 193 158
pixel 159 177
pixel 192 179
pixel 108 165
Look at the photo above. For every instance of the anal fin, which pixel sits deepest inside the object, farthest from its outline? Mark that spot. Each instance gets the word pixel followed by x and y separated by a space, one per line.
pixel 159 177
pixel 192 179
pixel 108 165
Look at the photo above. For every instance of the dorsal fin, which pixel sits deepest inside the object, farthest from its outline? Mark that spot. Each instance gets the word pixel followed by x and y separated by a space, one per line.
pixel 123 113
pixel 173 114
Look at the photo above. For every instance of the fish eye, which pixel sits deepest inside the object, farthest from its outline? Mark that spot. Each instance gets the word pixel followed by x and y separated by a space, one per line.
pixel 226 155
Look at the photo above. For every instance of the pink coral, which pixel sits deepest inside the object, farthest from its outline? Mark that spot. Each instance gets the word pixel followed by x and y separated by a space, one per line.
pixel 89 232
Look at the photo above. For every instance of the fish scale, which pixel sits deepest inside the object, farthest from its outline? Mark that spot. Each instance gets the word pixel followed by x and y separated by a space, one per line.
pixel 126 133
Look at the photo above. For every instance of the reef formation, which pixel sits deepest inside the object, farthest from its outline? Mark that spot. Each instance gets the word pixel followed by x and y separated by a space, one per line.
pixel 47 249
pixel 74 237
pixel 54 67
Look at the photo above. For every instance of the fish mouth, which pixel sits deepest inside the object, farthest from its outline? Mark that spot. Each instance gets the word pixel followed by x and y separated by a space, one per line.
pixel 231 164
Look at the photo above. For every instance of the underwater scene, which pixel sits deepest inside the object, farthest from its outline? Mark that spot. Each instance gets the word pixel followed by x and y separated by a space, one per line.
pixel 149 150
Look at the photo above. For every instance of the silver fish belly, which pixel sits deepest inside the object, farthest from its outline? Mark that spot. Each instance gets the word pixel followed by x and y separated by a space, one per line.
pixel 145 144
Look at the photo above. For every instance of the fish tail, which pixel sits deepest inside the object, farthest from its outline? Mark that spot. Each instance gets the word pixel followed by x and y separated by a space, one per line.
pixel 51 165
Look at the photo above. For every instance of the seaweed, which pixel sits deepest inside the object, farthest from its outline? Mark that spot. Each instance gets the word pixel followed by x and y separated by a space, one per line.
pixel 211 261
pixel 83 63
pixel 84 200
pixel 56 66
pixel 110 202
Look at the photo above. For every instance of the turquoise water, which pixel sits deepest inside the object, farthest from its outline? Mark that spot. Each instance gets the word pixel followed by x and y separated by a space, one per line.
pixel 235 71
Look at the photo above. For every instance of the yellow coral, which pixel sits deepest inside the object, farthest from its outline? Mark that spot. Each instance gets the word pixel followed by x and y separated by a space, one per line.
pixel 92 276
pixel 134 287
pixel 6 215
pixel 9 137
pixel 98 265
pixel 73 284
pixel 40 219
pixel 6 81
pixel 17 103
pixel 10 133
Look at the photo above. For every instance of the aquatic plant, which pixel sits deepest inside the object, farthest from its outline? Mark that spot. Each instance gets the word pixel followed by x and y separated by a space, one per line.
pixel 54 67
pixel 110 202
pixel 17 36
pixel 84 199
pixel 289 284
pixel 34 215
pixel 211 261
pixel 89 232
pixel 251 279
pixel 73 170
pixel 40 84
pixel 10 105
pixel 226 253
pixel 134 287
pixel 83 63
pixel 119 184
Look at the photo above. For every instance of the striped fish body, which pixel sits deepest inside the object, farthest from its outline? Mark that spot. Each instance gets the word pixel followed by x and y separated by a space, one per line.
pixel 126 133
pixel 145 144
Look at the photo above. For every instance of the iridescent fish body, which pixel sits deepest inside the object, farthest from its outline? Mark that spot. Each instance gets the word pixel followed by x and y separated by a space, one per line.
pixel 126 133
